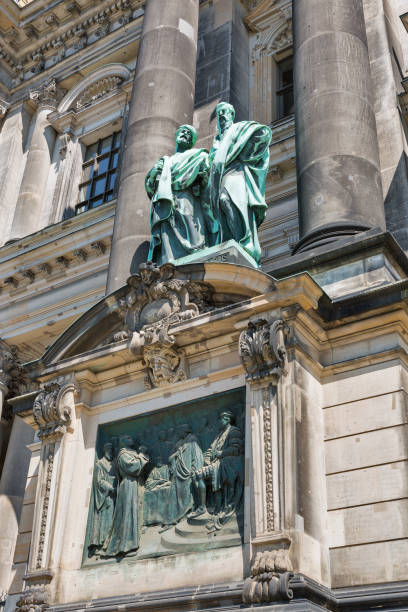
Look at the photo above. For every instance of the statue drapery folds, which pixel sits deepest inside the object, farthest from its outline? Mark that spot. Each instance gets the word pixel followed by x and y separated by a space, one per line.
pixel 199 200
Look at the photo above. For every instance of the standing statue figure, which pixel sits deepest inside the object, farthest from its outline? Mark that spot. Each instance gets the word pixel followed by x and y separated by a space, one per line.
pixel 183 462
pixel 179 224
pixel 103 496
pixel 223 470
pixel 156 495
pixel 239 161
pixel 124 535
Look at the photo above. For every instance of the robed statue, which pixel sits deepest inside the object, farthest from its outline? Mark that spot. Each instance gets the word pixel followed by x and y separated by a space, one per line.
pixel 103 496
pixel 124 535
pixel 180 221
pixel 156 495
pixel 239 162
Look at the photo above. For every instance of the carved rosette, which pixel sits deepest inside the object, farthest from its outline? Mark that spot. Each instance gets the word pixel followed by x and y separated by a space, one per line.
pixel 262 350
pixel 50 414
pixel 269 580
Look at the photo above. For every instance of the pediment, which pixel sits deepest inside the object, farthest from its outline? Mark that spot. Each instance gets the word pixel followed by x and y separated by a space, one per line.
pixel 175 295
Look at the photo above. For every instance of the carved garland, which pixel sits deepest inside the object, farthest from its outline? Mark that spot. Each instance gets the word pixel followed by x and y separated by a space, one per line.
pixel 267 435
pixel 50 452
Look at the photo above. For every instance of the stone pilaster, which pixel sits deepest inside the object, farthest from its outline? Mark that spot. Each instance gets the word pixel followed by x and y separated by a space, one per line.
pixel 339 181
pixel 162 99
pixel 34 182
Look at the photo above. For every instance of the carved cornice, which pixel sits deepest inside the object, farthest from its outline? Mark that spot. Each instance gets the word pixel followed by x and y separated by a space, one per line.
pixel 51 415
pixel 262 350
pixel 79 34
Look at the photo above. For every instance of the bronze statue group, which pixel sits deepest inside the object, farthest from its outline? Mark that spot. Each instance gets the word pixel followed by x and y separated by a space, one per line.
pixel 132 492
pixel 201 199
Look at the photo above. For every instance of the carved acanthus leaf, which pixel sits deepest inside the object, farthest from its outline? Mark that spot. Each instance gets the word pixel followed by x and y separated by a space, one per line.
pixel 262 349
pixel 50 413
pixel 47 94
pixel 270 576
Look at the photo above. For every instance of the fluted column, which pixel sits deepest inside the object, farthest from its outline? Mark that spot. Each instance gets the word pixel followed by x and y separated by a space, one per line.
pixel 34 182
pixel 339 182
pixel 162 99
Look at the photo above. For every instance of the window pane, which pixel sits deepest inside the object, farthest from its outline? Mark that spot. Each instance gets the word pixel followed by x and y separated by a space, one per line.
pixel 103 165
pixel 84 192
pixel 97 202
pixel 82 208
pixel 91 151
pixel 87 172
pixel 106 145
pixel 98 186
pixel 112 179
pixel 114 162
pixel 116 141
pixel 109 197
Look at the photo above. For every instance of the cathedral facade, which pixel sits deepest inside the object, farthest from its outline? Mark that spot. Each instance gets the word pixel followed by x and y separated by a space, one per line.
pixel 203 305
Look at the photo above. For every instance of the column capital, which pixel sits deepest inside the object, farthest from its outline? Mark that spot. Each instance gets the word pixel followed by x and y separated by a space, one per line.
pixel 47 95
pixel 262 350
pixel 13 376
pixel 51 415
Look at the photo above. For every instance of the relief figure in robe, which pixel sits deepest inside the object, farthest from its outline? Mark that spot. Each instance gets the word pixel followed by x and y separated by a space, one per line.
pixel 186 459
pixel 222 470
pixel 103 498
pixel 180 222
pixel 239 162
pixel 156 495
pixel 124 536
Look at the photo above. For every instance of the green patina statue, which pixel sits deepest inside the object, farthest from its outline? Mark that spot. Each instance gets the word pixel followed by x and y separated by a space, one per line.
pixel 200 200
pixel 239 161
pixel 180 222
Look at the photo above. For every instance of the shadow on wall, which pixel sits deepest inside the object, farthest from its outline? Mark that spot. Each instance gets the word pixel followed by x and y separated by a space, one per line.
pixel 396 203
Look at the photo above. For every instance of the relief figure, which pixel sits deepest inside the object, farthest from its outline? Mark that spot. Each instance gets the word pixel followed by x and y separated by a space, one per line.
pixel 156 495
pixel 222 470
pixel 124 535
pixel 183 462
pixel 103 498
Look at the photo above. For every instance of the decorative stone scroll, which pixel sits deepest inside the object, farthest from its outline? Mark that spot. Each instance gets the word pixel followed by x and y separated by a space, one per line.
pixel 262 349
pixel 269 579
pixel 50 414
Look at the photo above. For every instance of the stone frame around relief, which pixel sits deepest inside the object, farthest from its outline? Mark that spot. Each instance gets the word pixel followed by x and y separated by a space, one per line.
pixel 188 535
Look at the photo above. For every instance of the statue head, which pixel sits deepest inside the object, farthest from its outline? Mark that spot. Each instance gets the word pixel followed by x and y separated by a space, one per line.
pixel 226 418
pixel 126 441
pixel 225 116
pixel 159 461
pixel 143 450
pixel 148 272
pixel 203 423
pixel 184 429
pixel 108 451
pixel 186 137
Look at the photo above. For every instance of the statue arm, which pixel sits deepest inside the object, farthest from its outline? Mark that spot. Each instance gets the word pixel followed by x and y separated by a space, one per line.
pixel 152 176
pixel 257 145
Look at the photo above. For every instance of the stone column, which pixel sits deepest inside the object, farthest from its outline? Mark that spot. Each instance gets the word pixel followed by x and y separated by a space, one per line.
pixel 162 99
pixel 339 182
pixel 34 182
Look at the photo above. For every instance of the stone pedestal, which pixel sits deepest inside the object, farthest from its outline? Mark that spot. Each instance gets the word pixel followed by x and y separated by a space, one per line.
pixel 339 182
pixel 162 99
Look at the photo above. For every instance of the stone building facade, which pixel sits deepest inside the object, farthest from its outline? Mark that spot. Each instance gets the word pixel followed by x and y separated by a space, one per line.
pixel 307 354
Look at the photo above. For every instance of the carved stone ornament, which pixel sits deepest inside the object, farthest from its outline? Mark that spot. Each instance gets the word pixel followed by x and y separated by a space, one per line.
pixel 12 374
pixel 33 600
pixel 269 580
pixel 155 301
pixel 274 40
pixel 50 414
pixel 98 90
pixel 262 349
pixel 47 94
pixel 165 365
